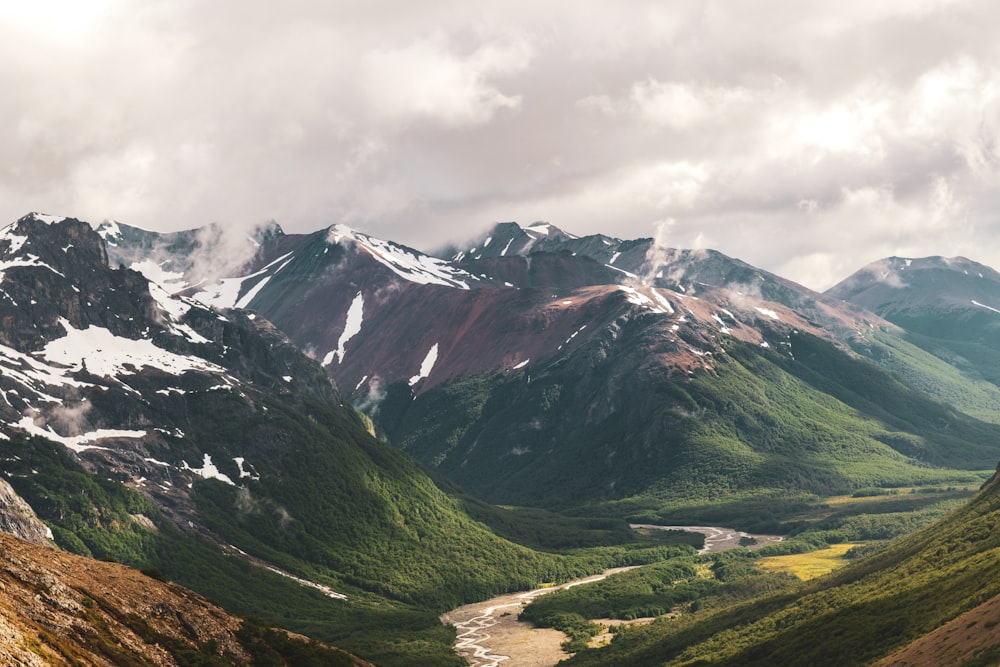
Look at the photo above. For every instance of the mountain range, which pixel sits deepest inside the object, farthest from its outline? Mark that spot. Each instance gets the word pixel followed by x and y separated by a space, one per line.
pixel 537 368
pixel 244 413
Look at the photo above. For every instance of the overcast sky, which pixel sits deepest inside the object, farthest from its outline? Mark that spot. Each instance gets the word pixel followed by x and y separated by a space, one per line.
pixel 807 138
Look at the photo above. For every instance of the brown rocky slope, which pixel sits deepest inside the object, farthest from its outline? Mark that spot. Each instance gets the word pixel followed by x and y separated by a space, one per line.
pixel 57 608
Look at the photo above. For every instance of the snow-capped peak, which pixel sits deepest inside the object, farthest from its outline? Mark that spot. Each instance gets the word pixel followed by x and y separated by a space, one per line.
pixel 46 218
pixel 407 263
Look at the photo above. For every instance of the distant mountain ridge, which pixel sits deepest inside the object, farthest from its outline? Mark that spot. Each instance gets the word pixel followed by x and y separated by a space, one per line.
pixel 292 277
pixel 915 292
pixel 533 351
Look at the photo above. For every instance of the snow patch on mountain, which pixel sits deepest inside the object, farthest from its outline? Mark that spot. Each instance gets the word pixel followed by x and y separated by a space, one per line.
pixel 662 301
pixel 157 274
pixel 110 232
pixel 9 234
pixel 225 293
pixel 768 312
pixel 240 462
pixel 47 219
pixel 208 470
pixel 32 374
pixel 78 443
pixel 176 307
pixel 627 273
pixel 426 366
pixel 105 354
pixel 245 300
pixel 982 305
pixel 572 336
pixel 638 298
pixel 352 326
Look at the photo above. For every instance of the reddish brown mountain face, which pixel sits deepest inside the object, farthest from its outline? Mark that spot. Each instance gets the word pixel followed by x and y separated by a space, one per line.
pixel 375 313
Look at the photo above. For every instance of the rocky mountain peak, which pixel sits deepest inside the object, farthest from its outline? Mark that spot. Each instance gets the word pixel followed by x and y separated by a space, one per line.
pixel 43 239
pixel 56 271
pixel 99 359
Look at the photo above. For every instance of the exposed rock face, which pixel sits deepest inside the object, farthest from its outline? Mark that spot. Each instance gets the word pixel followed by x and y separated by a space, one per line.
pixel 57 609
pixel 18 519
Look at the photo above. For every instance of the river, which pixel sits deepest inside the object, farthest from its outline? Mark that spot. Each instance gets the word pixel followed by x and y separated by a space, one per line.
pixel 489 634
pixel 716 539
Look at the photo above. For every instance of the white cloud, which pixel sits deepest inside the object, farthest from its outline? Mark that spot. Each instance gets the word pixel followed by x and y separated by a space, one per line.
pixel 802 138
pixel 428 79
pixel 683 105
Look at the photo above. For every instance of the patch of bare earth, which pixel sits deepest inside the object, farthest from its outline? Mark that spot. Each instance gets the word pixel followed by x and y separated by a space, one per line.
pixel 973 637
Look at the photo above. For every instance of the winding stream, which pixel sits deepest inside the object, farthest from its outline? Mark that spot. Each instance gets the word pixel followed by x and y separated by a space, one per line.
pixel 489 634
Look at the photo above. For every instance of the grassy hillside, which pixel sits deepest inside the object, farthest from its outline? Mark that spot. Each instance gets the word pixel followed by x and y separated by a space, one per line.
pixel 855 616
pixel 958 374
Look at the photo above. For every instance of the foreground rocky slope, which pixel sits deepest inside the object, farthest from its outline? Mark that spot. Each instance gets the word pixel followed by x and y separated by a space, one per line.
pixel 60 609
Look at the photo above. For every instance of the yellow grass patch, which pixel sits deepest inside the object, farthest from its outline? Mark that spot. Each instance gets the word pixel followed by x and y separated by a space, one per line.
pixel 850 500
pixel 811 565
pixel 704 570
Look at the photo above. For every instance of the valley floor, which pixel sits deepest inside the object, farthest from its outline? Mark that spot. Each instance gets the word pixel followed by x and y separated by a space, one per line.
pixel 489 632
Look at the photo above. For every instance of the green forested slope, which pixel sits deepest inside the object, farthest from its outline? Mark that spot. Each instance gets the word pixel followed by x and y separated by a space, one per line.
pixel 816 420
pixel 955 373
